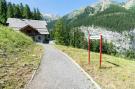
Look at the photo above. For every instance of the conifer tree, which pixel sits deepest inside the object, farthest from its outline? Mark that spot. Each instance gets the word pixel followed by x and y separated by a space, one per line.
pixel 3 11
pixel 17 12
pixel 21 7
pixel 58 32
pixel 34 14
pixel 10 10
pixel 39 17
pixel 26 12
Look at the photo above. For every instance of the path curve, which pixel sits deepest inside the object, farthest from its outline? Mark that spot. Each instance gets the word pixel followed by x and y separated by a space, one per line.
pixel 58 72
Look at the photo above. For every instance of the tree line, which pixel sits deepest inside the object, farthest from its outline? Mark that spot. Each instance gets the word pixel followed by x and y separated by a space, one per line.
pixel 66 36
pixel 11 10
pixel 74 37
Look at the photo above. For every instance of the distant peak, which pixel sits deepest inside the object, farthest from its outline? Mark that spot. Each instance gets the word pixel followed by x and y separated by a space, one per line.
pixel 50 17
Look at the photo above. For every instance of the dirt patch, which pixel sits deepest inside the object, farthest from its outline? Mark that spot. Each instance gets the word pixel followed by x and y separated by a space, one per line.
pixel 15 72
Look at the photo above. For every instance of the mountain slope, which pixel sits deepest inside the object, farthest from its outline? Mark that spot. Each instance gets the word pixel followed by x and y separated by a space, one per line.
pixel 74 14
pixel 115 18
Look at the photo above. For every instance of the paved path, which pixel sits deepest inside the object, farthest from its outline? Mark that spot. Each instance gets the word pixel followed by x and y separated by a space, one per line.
pixel 58 72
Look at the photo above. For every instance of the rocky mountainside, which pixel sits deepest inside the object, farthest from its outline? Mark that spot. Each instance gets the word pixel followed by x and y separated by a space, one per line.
pixel 105 4
pixel 129 4
pixel 74 13
pixel 123 41
pixel 99 6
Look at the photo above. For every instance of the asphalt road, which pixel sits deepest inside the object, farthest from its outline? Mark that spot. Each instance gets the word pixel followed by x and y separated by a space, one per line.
pixel 58 72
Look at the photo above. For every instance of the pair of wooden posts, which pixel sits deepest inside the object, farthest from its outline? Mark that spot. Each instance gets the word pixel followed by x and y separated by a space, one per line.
pixel 89 41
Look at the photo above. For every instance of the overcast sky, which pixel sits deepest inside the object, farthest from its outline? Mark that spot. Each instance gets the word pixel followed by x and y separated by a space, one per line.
pixel 58 7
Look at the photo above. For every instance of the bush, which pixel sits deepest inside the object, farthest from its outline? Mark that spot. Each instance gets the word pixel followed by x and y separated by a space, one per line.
pixel 107 48
pixel 77 38
pixel 130 54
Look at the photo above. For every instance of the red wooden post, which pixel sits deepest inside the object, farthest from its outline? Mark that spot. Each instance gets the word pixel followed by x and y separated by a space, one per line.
pixel 100 49
pixel 89 48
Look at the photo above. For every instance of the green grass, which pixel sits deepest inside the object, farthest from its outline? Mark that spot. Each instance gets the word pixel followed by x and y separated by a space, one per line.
pixel 12 42
pixel 19 57
pixel 116 73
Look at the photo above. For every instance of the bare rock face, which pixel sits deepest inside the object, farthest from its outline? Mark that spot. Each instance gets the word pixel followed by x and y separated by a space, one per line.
pixel 123 41
pixel 132 37
pixel 50 17
pixel 129 4
pixel 105 4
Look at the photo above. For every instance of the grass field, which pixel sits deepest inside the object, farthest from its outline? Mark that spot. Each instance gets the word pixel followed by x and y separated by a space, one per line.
pixel 116 73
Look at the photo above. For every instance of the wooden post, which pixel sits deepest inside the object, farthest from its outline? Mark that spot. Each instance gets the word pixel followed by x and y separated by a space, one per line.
pixel 100 49
pixel 89 48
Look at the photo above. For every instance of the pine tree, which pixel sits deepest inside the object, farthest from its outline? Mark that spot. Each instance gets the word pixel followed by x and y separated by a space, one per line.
pixel 14 7
pixel 21 7
pixel 3 11
pixel 39 17
pixel 17 12
pixel 34 14
pixel 10 12
pixel 58 32
pixel 27 12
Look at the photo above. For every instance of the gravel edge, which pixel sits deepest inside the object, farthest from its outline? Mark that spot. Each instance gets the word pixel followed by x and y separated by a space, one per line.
pixel 34 72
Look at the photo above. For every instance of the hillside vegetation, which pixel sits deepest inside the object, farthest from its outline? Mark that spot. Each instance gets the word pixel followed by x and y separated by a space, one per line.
pixel 19 56
pixel 12 42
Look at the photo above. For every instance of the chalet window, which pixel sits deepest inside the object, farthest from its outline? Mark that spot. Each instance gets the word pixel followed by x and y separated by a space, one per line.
pixel 39 38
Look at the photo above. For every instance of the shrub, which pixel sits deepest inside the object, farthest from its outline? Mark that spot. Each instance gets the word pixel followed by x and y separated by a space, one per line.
pixel 107 48
pixel 130 54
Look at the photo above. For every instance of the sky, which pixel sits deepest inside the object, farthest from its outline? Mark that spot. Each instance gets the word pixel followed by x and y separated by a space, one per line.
pixel 57 7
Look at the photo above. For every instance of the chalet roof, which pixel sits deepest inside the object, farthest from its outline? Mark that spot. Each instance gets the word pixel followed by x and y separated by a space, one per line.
pixel 17 24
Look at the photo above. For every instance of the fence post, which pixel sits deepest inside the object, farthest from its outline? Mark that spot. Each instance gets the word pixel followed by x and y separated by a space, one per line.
pixel 89 48
pixel 100 49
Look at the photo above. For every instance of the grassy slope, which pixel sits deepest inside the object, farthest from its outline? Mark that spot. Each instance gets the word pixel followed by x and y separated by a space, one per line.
pixel 19 56
pixel 110 76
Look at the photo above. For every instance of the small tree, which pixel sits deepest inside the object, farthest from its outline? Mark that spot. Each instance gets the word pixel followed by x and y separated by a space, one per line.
pixel 58 32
